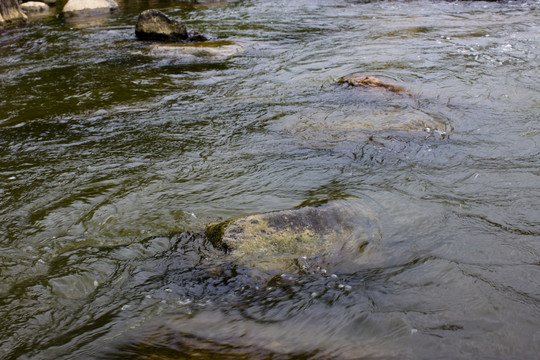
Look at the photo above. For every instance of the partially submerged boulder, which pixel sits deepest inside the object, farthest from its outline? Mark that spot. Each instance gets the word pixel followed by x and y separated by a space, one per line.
pixel 34 7
pixel 155 25
pixel 329 233
pixel 88 7
pixel 370 82
pixel 377 111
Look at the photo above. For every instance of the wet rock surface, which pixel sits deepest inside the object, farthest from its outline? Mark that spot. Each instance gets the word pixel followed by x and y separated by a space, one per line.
pixel 328 232
pixel 155 25
pixel 372 112
pixel 194 51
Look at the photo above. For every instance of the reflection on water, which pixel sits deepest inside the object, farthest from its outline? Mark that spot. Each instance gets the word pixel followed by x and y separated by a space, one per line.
pixel 112 163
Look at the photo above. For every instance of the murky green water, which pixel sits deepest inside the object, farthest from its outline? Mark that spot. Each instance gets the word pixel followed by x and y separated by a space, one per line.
pixel 107 156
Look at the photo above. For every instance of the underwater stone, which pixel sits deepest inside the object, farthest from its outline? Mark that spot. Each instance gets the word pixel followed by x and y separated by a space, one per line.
pixel 209 50
pixel 367 81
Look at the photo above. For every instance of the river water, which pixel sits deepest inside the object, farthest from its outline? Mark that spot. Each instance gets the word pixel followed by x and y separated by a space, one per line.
pixel 111 160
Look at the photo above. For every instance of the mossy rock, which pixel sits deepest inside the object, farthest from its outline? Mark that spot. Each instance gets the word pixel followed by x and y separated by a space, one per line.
pixel 326 232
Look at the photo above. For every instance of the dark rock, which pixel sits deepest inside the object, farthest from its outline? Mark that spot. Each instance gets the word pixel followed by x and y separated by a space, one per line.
pixel 155 25
pixel 197 36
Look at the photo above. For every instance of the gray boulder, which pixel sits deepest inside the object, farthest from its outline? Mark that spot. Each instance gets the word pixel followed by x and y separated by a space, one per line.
pixel 329 233
pixel 155 25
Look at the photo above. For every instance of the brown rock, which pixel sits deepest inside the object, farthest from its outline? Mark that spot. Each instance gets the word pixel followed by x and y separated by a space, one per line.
pixel 361 80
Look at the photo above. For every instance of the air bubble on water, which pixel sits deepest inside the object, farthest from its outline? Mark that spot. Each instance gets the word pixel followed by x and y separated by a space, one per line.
pixel 148 296
pixel 96 283
pixel 348 287
pixel 184 302
pixel 125 307
pixel 334 276
pixel 168 290
pixel 323 271
pixel 313 294
pixel 414 331
pixel 12 178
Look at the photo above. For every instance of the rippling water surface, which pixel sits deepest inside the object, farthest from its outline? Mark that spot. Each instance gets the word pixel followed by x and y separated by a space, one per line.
pixel 111 161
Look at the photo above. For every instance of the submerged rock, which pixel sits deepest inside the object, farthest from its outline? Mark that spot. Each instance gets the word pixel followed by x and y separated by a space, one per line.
pixel 371 112
pixel 155 25
pixel 332 232
pixel 367 81
pixel 88 7
pixel 34 7
pixel 209 50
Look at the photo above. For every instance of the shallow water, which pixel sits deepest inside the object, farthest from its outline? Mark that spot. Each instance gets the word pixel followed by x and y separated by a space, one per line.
pixel 111 161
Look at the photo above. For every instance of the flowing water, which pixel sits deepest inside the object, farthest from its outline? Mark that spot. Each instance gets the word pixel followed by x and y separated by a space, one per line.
pixel 111 161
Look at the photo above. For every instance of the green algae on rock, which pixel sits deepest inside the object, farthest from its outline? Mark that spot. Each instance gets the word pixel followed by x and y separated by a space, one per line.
pixel 330 231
